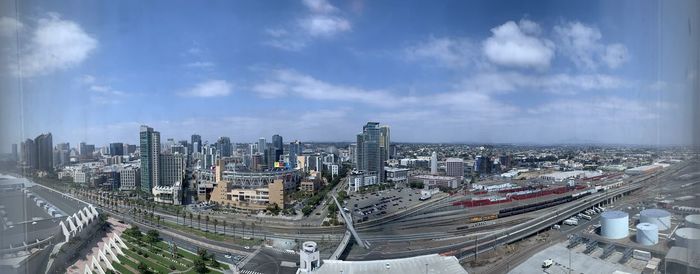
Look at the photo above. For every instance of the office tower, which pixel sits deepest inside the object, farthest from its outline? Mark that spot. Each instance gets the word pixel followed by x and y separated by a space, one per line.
pixel 433 163
pixel 63 146
pixel 86 151
pixel 223 145
pixel 270 155
pixel 277 143
pixel 150 152
pixel 44 152
pixel 195 139
pixel 262 145
pixel 116 149
pixel 295 149
pixel 352 151
pixel 454 167
pixel 385 142
pixel 186 145
pixel 369 154
pixel 172 169
pixel 482 165
pixel 28 155
pixel 179 148
pixel 130 149
pixel 15 153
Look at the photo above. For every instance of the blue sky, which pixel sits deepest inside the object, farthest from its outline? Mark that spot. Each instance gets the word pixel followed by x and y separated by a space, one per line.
pixel 315 70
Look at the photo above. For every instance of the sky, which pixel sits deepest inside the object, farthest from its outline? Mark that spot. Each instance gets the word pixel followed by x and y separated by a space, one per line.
pixel 619 72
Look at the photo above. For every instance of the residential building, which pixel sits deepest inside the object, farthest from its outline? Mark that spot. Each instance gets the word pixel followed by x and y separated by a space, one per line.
pixel 130 177
pixel 360 179
pixel 172 169
pixel 369 151
pixel 150 158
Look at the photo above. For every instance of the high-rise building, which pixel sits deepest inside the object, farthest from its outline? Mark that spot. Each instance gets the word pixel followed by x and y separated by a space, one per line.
pixel 86 151
pixel 63 146
pixel 294 151
pixel 116 149
pixel 433 163
pixel 262 145
pixel 277 142
pixel 195 139
pixel 482 165
pixel 385 142
pixel 44 152
pixel 454 167
pixel 150 158
pixel 172 169
pixel 28 154
pixel 223 145
pixel 15 153
pixel 369 153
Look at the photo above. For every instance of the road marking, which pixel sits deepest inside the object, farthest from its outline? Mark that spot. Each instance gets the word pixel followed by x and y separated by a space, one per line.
pixel 247 259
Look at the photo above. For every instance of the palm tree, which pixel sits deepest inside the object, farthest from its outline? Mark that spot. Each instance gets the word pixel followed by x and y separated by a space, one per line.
pixel 216 221
pixel 158 220
pixel 190 219
pixel 199 222
pixel 224 226
pixel 177 216
pixel 242 229
pixel 206 221
pixel 252 227
pixel 233 225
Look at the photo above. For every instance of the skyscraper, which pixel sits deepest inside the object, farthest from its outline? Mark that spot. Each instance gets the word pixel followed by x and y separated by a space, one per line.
pixel 433 163
pixel 385 142
pixel 223 145
pixel 277 142
pixel 369 152
pixel 278 147
pixel 262 145
pixel 116 149
pixel 86 151
pixel 15 153
pixel 44 152
pixel 195 139
pixel 172 169
pixel 295 149
pixel 28 154
pixel 150 158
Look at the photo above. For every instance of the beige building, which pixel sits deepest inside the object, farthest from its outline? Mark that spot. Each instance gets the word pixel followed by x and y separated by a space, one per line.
pixel 252 198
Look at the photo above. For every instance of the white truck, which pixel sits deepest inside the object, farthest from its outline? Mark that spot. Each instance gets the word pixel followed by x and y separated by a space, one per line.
pixel 571 222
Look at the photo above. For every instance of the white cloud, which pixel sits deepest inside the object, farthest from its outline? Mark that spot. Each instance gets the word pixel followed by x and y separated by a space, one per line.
pixel 319 6
pixel 452 52
pixel 323 21
pixel 100 92
pixel 291 83
pixel 10 26
pixel 516 45
pixel 581 43
pixel 210 88
pixel 615 55
pixel 199 64
pixel 658 86
pixel 553 83
pixel 324 25
pixel 55 44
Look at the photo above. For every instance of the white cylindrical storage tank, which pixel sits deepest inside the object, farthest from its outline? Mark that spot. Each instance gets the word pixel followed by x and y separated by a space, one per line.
pixel 692 221
pixel 661 218
pixel 688 237
pixel 647 234
pixel 614 224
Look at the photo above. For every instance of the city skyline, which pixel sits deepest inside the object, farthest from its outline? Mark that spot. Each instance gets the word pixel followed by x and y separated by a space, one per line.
pixel 318 70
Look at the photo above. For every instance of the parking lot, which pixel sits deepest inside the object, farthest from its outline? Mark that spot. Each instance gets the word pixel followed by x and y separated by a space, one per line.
pixel 380 203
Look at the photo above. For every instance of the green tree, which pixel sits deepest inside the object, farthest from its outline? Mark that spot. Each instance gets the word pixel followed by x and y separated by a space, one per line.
pixel 206 221
pixel 199 222
pixel 152 237
pixel 216 222
pixel 143 268
pixel 199 265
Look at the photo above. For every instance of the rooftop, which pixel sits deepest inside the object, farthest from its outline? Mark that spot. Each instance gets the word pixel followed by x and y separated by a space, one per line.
pixel 434 264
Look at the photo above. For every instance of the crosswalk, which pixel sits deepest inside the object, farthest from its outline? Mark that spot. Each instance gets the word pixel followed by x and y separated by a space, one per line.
pixel 245 271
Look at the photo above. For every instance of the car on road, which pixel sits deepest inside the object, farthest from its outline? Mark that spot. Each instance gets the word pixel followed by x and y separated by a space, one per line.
pixel 228 256
pixel 246 247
